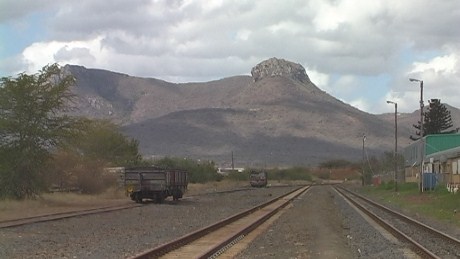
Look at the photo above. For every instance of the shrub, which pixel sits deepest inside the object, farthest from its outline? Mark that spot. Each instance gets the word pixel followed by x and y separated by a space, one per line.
pixel 198 171
pixel 294 173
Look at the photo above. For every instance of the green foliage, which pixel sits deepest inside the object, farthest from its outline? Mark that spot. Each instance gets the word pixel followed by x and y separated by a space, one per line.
pixel 439 204
pixel 41 145
pixel 198 171
pixel 383 164
pixel 335 163
pixel 32 123
pixel 437 120
pixel 80 163
pixel 101 140
pixel 238 176
pixel 293 173
pixel 70 170
pixel 390 185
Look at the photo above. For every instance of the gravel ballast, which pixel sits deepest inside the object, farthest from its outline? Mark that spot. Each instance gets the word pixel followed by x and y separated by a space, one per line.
pixel 124 233
pixel 319 224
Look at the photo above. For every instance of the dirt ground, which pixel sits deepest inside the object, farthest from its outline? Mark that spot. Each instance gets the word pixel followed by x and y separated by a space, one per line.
pixel 311 228
pixel 66 202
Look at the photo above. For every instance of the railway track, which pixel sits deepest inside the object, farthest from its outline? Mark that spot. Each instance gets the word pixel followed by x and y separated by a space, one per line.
pixel 63 215
pixel 213 240
pixel 77 213
pixel 422 239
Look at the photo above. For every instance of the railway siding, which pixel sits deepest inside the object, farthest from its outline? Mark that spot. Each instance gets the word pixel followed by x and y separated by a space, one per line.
pixel 424 239
pixel 123 233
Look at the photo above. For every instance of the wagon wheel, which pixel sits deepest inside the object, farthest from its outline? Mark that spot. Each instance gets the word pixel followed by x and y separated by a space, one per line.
pixel 138 198
pixel 159 198
pixel 177 194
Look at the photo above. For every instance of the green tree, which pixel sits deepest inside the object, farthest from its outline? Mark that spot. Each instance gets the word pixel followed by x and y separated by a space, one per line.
pixel 32 124
pixel 437 120
pixel 101 140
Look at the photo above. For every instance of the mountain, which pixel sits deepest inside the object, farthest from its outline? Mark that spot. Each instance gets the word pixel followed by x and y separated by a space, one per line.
pixel 275 117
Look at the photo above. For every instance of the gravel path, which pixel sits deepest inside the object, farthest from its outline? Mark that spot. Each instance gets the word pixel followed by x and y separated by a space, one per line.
pixel 311 228
pixel 127 232
pixel 322 225
pixel 319 224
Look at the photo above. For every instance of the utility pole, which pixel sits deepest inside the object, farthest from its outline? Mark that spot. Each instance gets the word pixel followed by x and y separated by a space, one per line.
pixel 233 165
pixel 422 146
pixel 362 166
pixel 396 146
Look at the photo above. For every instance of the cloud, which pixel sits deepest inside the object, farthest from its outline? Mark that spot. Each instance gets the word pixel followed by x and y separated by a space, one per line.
pixel 319 79
pixel 347 46
pixel 76 52
pixel 15 10
pixel 441 77
pixel 360 103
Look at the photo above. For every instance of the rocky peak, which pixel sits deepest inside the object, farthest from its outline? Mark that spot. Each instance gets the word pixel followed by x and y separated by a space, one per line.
pixel 279 67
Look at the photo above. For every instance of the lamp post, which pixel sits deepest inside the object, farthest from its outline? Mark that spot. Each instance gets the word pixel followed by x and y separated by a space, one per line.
pixel 421 130
pixel 396 145
pixel 362 165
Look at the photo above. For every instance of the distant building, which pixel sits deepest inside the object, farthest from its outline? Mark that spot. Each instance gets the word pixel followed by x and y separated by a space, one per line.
pixel 441 156
pixel 227 170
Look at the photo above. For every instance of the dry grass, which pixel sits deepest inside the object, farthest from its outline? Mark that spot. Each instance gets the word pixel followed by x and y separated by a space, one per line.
pixel 58 202
pixel 197 188
pixel 64 202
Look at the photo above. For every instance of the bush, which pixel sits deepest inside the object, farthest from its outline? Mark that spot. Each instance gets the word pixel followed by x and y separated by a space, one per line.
pixel 198 171
pixel 294 173
pixel 69 171
pixel 238 176
pixel 335 163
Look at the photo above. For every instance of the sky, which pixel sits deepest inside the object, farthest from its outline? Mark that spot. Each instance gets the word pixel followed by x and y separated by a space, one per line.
pixel 359 51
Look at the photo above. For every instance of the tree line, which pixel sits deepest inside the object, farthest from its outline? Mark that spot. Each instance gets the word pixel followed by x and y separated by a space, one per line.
pixel 41 144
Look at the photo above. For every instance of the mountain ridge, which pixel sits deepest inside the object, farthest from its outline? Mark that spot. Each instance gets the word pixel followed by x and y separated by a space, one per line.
pixel 276 117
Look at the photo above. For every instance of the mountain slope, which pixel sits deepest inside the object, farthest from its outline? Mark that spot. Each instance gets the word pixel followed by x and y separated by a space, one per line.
pixel 277 116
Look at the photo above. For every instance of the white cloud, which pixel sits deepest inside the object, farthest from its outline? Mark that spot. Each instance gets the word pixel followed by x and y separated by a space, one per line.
pixel 243 34
pixel 319 79
pixel 443 65
pixel 76 52
pixel 345 43
pixel 441 77
pixel 361 104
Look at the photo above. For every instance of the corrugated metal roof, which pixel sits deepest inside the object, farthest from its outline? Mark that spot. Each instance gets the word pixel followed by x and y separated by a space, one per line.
pixel 446 154
pixel 441 142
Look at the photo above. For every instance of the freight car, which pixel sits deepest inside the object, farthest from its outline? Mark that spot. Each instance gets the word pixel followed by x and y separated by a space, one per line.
pixel 154 183
pixel 258 178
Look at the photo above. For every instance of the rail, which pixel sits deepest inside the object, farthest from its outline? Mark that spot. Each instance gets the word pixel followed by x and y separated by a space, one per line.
pixel 417 246
pixel 208 241
pixel 62 215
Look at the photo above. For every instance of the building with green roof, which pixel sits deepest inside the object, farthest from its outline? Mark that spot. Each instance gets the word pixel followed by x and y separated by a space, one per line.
pixel 441 155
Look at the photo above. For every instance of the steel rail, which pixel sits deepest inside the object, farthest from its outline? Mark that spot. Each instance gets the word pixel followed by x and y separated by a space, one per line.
pixel 451 239
pixel 62 215
pixel 416 247
pixel 74 213
pixel 236 234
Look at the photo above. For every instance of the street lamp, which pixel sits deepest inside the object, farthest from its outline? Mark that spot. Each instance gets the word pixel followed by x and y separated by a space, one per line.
pixel 362 165
pixel 421 130
pixel 396 145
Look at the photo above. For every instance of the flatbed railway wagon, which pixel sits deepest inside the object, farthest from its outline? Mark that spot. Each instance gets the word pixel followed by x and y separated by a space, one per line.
pixel 154 183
